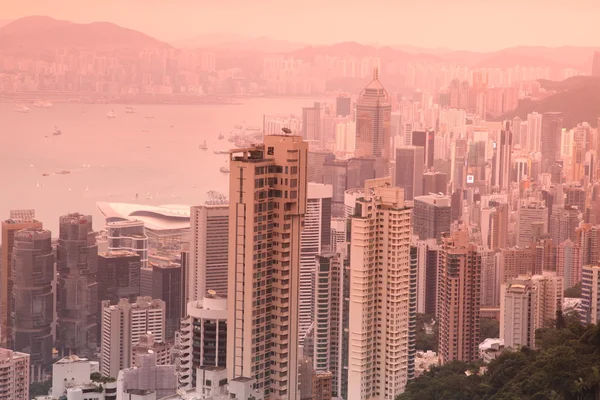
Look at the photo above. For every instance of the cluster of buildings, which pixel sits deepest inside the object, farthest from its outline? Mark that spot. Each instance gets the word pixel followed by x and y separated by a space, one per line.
pixel 306 280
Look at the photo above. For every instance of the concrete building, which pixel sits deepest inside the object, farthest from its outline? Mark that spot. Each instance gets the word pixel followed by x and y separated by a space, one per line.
pixel 381 312
pixel 33 299
pixel 146 345
pixel 129 235
pixel 409 171
pixel 18 220
pixel 427 275
pixel 77 286
pixel 431 216
pixel 213 385
pixel 14 375
pixel 550 139
pixel 501 160
pixel 208 248
pixel 435 182
pixel 316 161
pixel 268 196
pixel 343 106
pixel 590 294
pixel 563 223
pixel 322 385
pixel 568 263
pixel 311 123
pixel 147 377
pixel 528 215
pixel 328 318
pixel 202 339
pixel 459 298
pixel 315 239
pixel 373 121
pixel 123 325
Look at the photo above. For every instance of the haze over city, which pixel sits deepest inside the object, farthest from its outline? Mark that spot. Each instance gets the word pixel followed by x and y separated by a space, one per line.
pixel 278 200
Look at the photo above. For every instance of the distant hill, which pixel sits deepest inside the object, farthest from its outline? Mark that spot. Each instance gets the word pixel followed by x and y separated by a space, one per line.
pixel 239 42
pixel 4 22
pixel 578 98
pixel 37 34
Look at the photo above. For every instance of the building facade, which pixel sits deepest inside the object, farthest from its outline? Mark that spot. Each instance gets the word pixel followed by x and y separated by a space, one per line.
pixel 14 375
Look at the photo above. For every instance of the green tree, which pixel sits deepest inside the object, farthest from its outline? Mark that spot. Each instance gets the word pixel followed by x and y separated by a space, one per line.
pixel 39 388
pixel 489 328
pixel 574 291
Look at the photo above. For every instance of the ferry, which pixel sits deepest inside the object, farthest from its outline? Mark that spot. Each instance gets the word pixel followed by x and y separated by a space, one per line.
pixel 203 146
pixel 111 114
pixel 22 108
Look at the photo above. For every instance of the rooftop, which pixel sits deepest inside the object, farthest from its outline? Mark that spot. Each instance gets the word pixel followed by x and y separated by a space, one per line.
pixel 157 218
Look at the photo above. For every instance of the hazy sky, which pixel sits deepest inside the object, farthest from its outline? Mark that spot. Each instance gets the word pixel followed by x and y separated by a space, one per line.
pixel 456 24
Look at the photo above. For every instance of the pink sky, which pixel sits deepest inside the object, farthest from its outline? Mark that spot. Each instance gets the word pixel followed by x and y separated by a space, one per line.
pixel 456 24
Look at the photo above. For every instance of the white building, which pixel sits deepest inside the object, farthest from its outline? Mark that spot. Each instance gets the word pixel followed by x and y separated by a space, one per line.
pixel 123 325
pixel 14 375
pixel 146 378
pixel 213 385
pixel 208 248
pixel 590 294
pixel 380 357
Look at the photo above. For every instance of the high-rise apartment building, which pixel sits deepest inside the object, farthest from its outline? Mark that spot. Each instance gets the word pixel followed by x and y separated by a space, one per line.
pixel 431 216
pixel 564 222
pixel 328 317
pixel 409 171
pixel 267 204
pixel 427 275
pixel 128 235
pixel 315 239
pixel 373 120
pixel 14 375
pixel 381 299
pixel 533 139
pixel 18 220
pixel 459 298
pixel 590 294
pixel 517 261
pixel 208 248
pixel 123 325
pixel 77 286
pixel 528 216
pixel 568 263
pixel 322 385
pixel 551 134
pixel 32 313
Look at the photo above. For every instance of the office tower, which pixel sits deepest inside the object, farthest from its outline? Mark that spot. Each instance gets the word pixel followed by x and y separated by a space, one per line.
pixel 128 235
pixel 568 263
pixel 425 139
pixel 209 246
pixel 316 161
pixel 501 161
pixel 533 143
pixel 427 273
pixel 528 215
pixel 123 325
pixel 380 296
pixel 431 216
pixel 373 118
pixel 77 286
pixel 328 317
pixel 409 171
pixel 565 220
pixel 165 280
pixel 311 123
pixel 435 182
pixel 588 239
pixel 32 298
pixel 551 133
pixel 14 375
pixel 343 106
pixel 590 294
pixel 322 386
pixel 575 196
pixel 596 64
pixel 268 195
pixel 202 339
pixel 18 220
pixel 458 298
pixel 315 239
pixel 146 378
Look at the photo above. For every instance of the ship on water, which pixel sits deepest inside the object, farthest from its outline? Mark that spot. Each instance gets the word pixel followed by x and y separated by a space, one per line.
pixel 57 132
pixel 22 108
pixel 111 114
pixel 203 146
pixel 42 104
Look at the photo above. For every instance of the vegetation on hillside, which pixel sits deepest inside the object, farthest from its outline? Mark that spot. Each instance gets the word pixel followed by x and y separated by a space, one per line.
pixel 565 366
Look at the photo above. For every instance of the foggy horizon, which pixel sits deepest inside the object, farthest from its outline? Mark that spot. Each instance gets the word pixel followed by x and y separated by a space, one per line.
pixel 433 24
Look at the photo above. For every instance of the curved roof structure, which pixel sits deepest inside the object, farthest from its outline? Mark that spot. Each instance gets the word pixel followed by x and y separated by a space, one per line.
pixel 157 218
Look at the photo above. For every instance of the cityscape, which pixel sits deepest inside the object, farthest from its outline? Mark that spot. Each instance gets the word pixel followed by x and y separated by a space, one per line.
pixel 277 214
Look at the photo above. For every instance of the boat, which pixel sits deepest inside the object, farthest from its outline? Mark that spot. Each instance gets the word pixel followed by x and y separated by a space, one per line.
pixel 221 137
pixel 203 146
pixel 42 104
pixel 129 110
pixel 57 132
pixel 149 117
pixel 63 172
pixel 22 108
pixel 221 152
pixel 111 114
pixel 45 174
pixel 224 169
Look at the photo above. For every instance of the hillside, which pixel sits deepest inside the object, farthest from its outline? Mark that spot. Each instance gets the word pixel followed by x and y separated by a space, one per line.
pixel 577 98
pixel 39 34
pixel 238 42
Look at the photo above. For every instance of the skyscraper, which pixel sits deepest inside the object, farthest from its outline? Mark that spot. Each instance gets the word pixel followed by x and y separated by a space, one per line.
pixel 208 252
pixel 501 161
pixel 425 139
pixel 590 294
pixel 311 123
pixel 19 219
pixel 267 203
pixel 315 239
pixel 551 134
pixel 128 235
pixel 77 287
pixel 528 216
pixel 409 171
pixel 381 299
pixel 373 119
pixel 459 298
pixel 431 216
pixel 32 313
